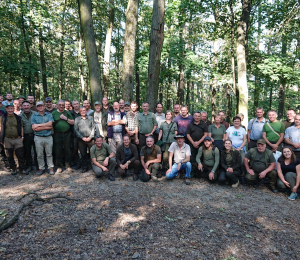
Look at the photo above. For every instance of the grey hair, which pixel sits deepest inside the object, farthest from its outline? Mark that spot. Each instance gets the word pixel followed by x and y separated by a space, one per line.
pixel 59 101
pixel 74 101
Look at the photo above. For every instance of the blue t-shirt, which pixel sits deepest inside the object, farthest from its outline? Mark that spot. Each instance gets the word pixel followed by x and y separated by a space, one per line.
pixel 37 118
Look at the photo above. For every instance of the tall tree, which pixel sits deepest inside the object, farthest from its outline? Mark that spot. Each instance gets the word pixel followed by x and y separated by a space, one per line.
pixel 156 43
pixel 85 8
pixel 43 62
pixel 241 57
pixel 129 48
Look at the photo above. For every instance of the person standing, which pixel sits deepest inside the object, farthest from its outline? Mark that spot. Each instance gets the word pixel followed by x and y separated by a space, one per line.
pixel 273 132
pixel 217 133
pixel 116 121
pixel 30 98
pixel 196 132
pixel 160 117
pixel 105 105
pixel 2 106
pixel 183 121
pixel 62 135
pixel 48 105
pixel 146 125
pixel 126 107
pixel 84 128
pixel 41 123
pixel 122 105
pixel 255 128
pixel 87 106
pixel 204 118
pixel 223 122
pixel 28 140
pixel 11 137
pixel 17 108
pixel 292 136
pixel 75 155
pixel 176 109
pixel 100 119
pixel 290 115
pixel 9 99
pixel 132 121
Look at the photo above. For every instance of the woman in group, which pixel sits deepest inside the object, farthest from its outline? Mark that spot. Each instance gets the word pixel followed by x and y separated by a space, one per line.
pixel 231 165
pixel 241 116
pixel 237 134
pixel 208 159
pixel 167 132
pixel 288 169
pixel 217 132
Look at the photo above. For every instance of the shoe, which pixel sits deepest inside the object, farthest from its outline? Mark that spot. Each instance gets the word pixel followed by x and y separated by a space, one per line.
pixel 69 170
pixel 154 178
pixel 59 170
pixel 243 180
pixel 187 181
pixel 256 185
pixel 51 171
pixel 135 177
pixel 158 175
pixel 14 172
pixel 235 185
pixel 110 177
pixel 275 190
pixel 84 170
pixel 40 172
pixel 293 196
pixel 77 167
pixel 28 170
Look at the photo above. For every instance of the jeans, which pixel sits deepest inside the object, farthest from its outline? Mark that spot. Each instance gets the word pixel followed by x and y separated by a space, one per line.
pixel 185 166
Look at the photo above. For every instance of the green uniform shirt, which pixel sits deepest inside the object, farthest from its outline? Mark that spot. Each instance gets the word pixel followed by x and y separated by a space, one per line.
pixel 145 123
pixel 260 163
pixel 165 127
pixel 209 158
pixel 217 133
pixel 26 121
pixel 100 154
pixel 228 159
pixel 277 126
pixel 62 125
pixel 2 108
pixel 11 129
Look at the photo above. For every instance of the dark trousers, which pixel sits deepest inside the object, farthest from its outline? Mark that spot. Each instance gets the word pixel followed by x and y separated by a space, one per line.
pixel 206 172
pixel 155 136
pixel 75 151
pixel 279 149
pixel 252 144
pixel 110 167
pixel 62 143
pixel 232 176
pixel 254 179
pixel 142 141
pixel 153 168
pixel 83 151
pixel 135 165
pixel 194 152
pixel 28 142
pixel 297 153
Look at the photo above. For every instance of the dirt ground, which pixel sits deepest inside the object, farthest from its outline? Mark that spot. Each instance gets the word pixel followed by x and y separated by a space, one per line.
pixel 134 220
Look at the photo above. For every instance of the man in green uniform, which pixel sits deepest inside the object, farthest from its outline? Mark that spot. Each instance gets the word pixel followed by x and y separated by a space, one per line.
pixel 62 135
pixel 28 141
pixel 11 136
pixel 103 160
pixel 273 132
pixel 259 163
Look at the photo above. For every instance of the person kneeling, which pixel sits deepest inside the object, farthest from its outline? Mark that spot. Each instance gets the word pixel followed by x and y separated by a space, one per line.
pixel 127 158
pixel 103 161
pixel 208 159
pixel 150 160
pixel 182 155
pixel 231 164
pixel 259 163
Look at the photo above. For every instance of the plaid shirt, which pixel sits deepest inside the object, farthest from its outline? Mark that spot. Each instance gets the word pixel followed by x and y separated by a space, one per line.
pixel 132 120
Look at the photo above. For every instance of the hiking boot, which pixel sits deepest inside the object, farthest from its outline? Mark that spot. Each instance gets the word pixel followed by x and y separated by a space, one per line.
pixel 28 170
pixel 77 167
pixel 51 171
pixel 59 170
pixel 255 185
pixel 274 190
pixel 154 178
pixel 110 177
pixel 235 185
pixel 14 172
pixel 40 172
pixel 187 181
pixel 84 170
pixel 293 196
pixel 158 175
pixel 135 177
pixel 243 180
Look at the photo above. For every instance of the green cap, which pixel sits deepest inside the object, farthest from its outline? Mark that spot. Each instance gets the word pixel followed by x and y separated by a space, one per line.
pixel 261 141
pixel 98 103
pixel 9 105
pixel 21 97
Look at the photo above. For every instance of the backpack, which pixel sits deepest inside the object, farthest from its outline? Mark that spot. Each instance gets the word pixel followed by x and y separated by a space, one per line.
pixel 254 153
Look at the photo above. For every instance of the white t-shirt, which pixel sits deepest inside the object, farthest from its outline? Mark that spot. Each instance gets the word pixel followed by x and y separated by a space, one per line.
pixel 236 135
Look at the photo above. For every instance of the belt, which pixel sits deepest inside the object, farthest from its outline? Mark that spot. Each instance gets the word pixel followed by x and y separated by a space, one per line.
pixel 13 138
pixel 253 140
pixel 29 134
pixel 62 132
pixel 43 135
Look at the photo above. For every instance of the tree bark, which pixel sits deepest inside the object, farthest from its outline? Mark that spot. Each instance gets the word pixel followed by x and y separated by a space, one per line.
pixel 241 58
pixel 85 8
pixel 129 49
pixel 109 31
pixel 180 92
pixel 232 21
pixel 43 63
pixel 137 76
pixel 156 43
pixel 282 81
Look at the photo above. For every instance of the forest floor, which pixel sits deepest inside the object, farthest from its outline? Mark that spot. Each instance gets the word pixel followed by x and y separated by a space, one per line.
pixel 135 220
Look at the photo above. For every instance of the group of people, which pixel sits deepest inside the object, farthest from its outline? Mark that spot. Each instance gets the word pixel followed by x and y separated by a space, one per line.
pixel 120 138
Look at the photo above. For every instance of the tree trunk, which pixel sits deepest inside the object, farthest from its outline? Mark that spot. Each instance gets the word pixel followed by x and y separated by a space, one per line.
pixel 85 8
pixel 241 59
pixel 129 49
pixel 180 93
pixel 109 31
pixel 232 47
pixel 282 81
pixel 61 55
pixel 156 43
pixel 43 63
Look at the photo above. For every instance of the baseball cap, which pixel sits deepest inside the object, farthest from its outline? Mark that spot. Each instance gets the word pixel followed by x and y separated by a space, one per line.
pixel 40 103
